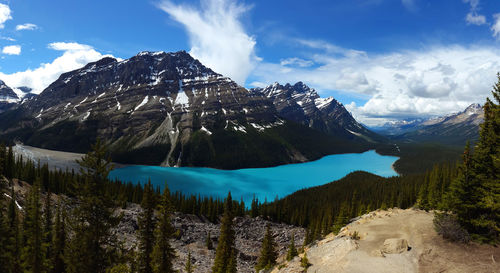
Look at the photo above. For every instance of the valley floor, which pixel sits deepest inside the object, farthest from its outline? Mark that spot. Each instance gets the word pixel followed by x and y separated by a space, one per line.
pixel 426 252
pixel 55 159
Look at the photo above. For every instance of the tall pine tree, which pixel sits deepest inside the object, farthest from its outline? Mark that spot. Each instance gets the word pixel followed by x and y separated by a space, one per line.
pixel 33 254
pixel 268 254
pixel 163 253
pixel 475 195
pixel 58 241
pixel 225 254
pixel 146 229
pixel 93 244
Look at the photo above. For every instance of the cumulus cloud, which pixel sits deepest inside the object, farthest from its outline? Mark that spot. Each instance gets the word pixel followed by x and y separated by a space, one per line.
pixel 73 57
pixel 12 50
pixel 473 18
pixel 428 82
pixel 27 26
pixel 4 14
pixel 216 36
pixel 495 28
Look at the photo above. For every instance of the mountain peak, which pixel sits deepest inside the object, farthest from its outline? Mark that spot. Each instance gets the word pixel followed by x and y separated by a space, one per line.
pixel 473 109
pixel 6 93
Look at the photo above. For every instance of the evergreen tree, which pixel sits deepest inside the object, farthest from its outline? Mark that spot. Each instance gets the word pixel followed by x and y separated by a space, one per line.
pixel 475 195
pixel 146 229
pixel 304 262
pixel 268 254
pixel 292 251
pixel 163 253
pixel 14 245
pixel 58 241
pixel 4 234
pixel 33 253
pixel 486 165
pixel 47 230
pixel 3 157
pixel 208 242
pixel 9 164
pixel 93 244
pixel 225 255
pixel 342 218
pixel 189 267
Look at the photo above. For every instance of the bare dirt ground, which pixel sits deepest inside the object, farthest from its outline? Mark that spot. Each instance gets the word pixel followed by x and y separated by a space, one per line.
pixel 427 251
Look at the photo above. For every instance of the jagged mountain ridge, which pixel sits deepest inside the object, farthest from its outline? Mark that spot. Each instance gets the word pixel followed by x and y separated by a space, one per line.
pixel 168 109
pixel 8 98
pixel 453 129
pixel 303 105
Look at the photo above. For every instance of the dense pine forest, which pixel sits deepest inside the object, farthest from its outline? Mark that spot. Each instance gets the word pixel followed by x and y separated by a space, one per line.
pixel 74 233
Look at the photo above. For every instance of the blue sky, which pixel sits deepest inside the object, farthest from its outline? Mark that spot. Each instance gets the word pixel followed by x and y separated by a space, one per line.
pixel 384 59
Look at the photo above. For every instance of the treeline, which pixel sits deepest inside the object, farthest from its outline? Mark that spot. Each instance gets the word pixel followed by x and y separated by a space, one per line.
pixel 329 207
pixel 76 235
pixel 66 182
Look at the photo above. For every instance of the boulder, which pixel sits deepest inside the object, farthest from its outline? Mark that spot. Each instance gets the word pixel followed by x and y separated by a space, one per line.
pixel 395 246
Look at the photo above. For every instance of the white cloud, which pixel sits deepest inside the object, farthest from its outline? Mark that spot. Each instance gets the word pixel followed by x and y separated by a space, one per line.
pixel 12 50
pixel 75 56
pixel 495 28
pixel 8 39
pixel 27 26
pixel 473 18
pixel 296 62
pixel 216 36
pixel 62 46
pixel 4 14
pixel 433 81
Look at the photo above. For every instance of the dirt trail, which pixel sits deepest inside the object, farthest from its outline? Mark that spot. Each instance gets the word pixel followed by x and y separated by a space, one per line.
pixel 428 252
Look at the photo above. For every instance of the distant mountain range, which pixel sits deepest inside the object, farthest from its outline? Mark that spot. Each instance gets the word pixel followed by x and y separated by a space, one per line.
pixel 454 129
pixel 169 109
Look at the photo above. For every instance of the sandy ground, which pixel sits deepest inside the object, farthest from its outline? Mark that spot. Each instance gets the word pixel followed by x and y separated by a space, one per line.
pixel 55 159
pixel 428 252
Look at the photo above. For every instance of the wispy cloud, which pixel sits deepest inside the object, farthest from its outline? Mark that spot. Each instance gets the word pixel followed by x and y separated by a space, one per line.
pixel 296 62
pixel 12 50
pixel 216 35
pixel 74 56
pixel 10 39
pixel 4 14
pixel 27 26
pixel 473 18
pixel 495 28
pixel 410 5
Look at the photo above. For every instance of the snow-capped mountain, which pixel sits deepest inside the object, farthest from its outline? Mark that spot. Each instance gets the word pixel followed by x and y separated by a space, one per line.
pixel 303 105
pixel 452 129
pixel 168 109
pixel 8 98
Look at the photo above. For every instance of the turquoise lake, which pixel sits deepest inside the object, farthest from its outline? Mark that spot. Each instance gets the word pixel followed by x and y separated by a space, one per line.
pixel 261 182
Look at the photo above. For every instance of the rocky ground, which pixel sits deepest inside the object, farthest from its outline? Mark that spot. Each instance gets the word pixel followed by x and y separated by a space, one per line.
pixel 193 232
pixel 395 241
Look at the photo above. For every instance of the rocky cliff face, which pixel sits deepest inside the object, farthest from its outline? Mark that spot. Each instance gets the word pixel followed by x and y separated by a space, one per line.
pixel 8 98
pixel 303 105
pixel 163 108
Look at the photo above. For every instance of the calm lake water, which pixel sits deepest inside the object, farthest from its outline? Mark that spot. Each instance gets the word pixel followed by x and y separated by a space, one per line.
pixel 261 182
